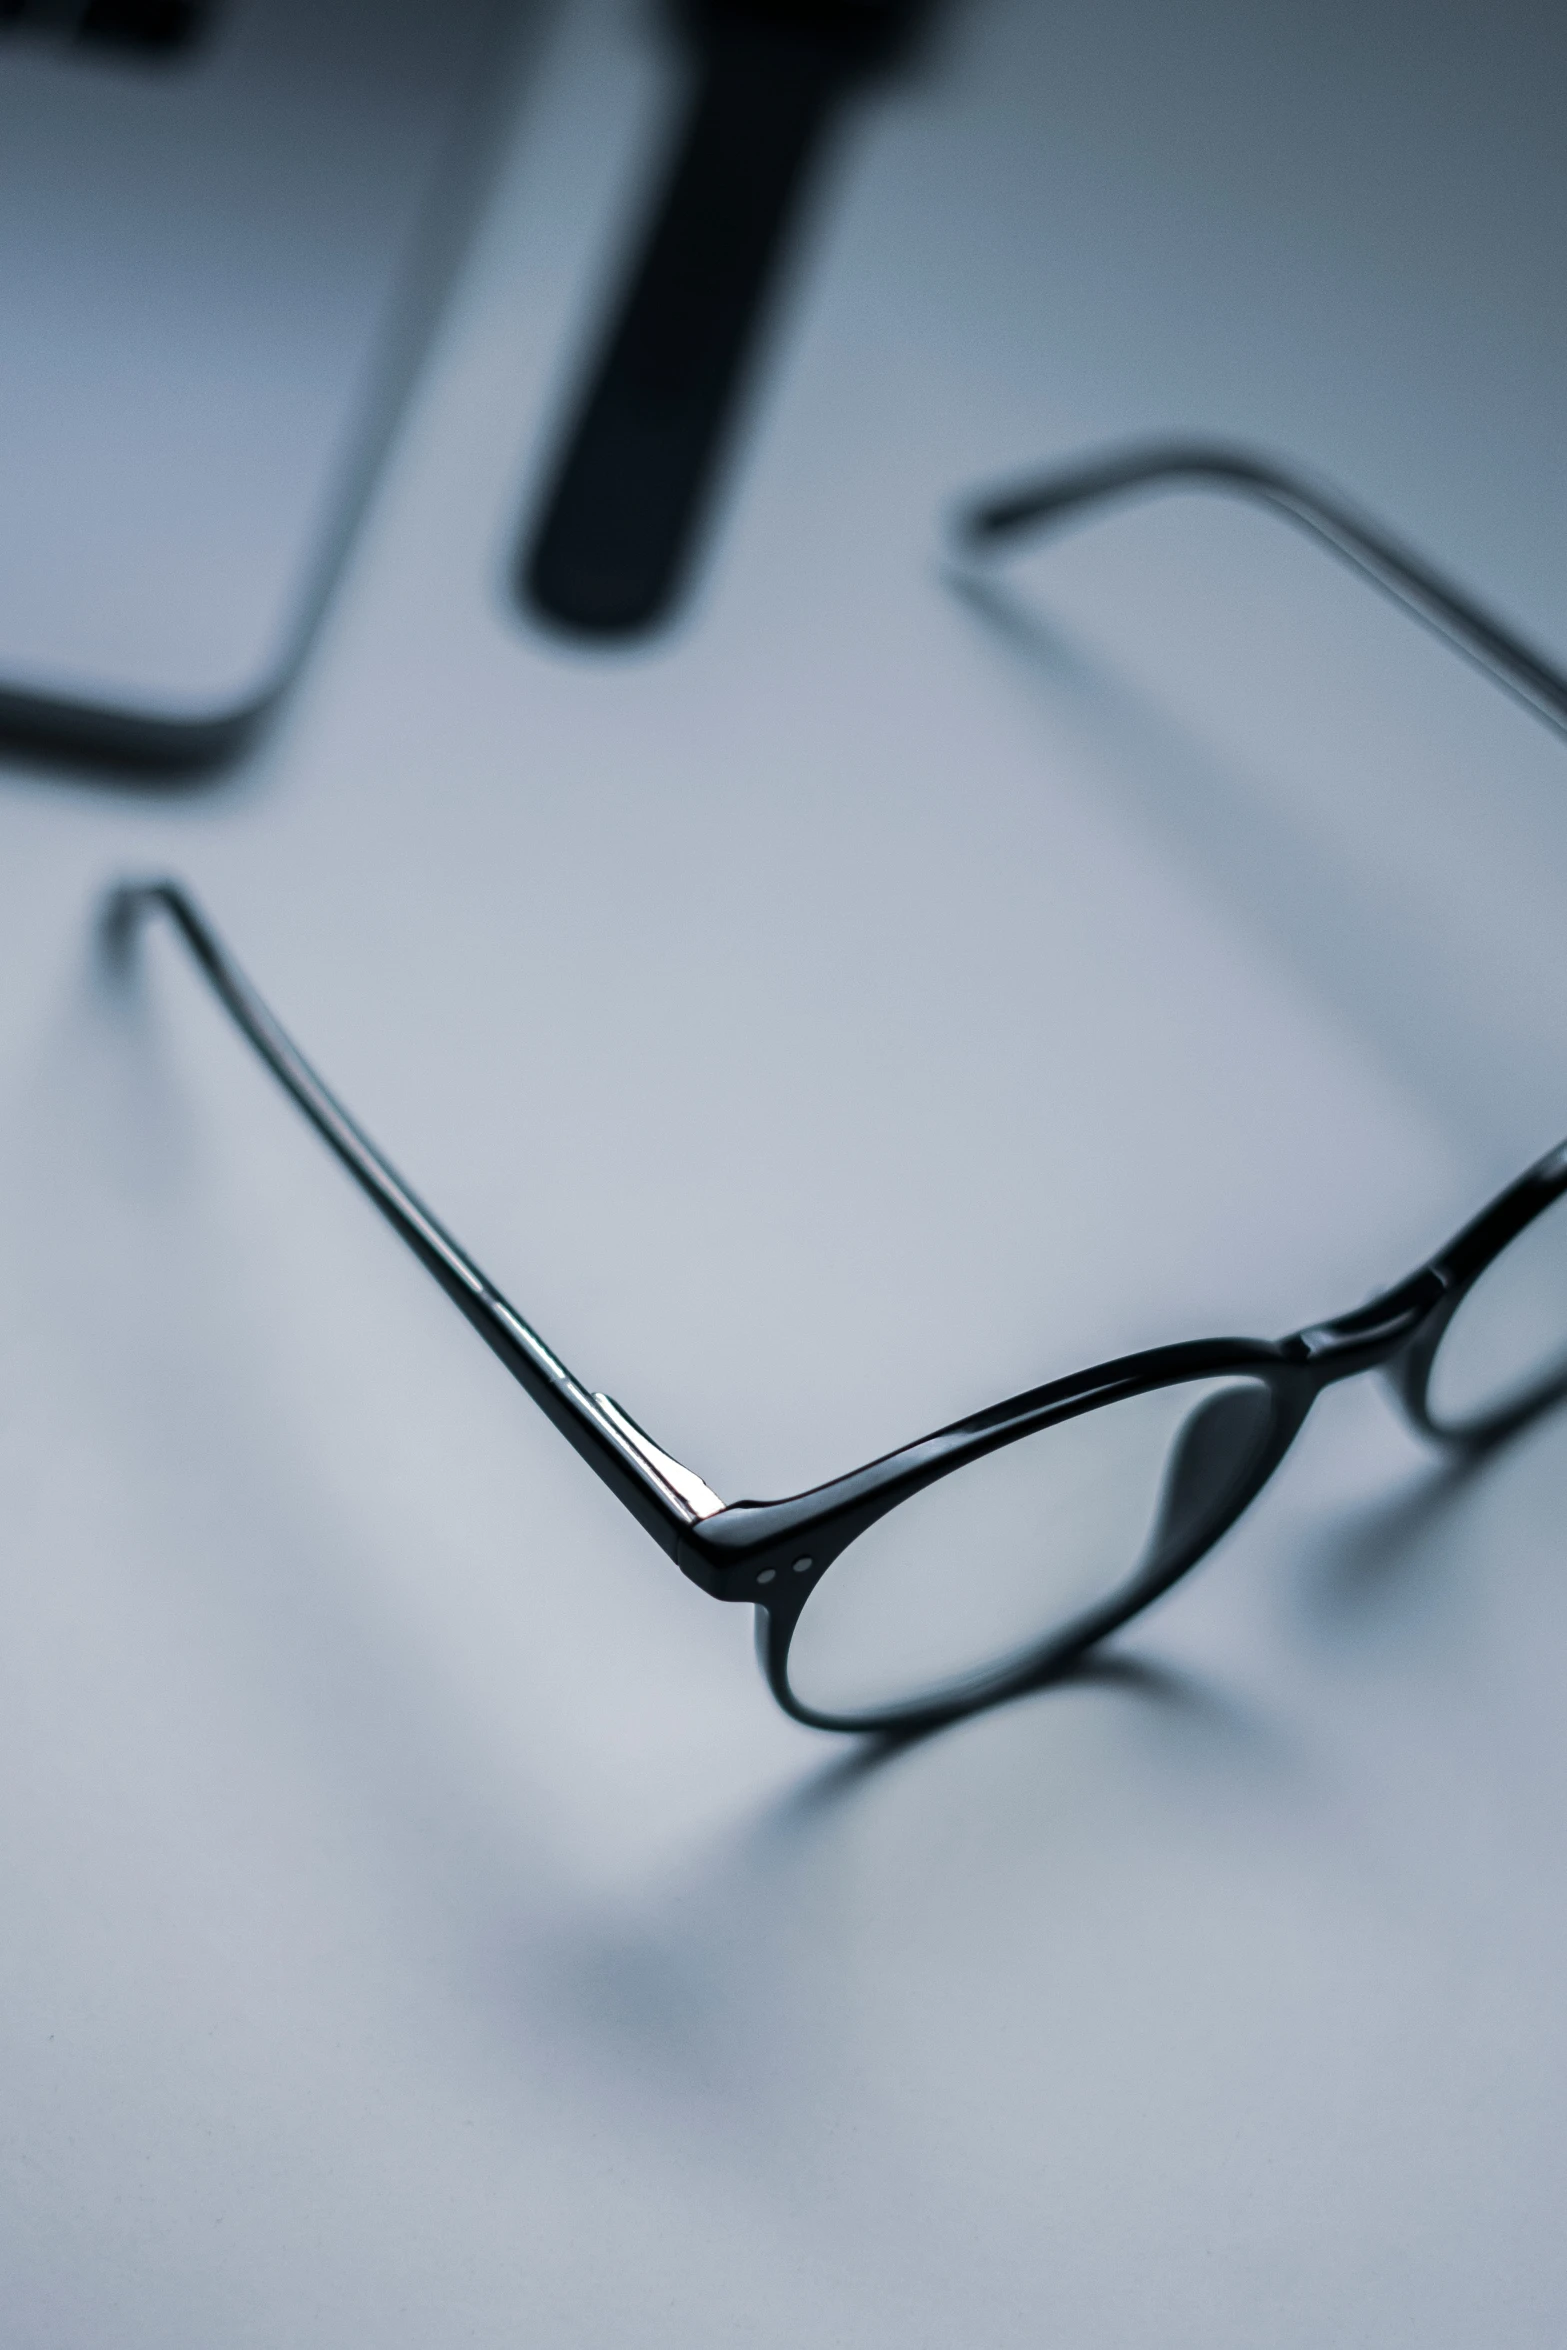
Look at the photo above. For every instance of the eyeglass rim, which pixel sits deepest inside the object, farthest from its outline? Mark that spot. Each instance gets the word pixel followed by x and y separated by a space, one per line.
pixel 724 1547
pixel 1466 1257
pixel 1064 1645
pixel 1398 1333
pixel 747 1551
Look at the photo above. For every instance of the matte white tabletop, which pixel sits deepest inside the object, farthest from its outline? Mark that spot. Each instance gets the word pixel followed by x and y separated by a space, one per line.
pixel 421 1928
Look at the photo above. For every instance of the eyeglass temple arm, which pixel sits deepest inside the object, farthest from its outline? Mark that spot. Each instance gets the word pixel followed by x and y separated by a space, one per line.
pixel 991 522
pixel 660 1493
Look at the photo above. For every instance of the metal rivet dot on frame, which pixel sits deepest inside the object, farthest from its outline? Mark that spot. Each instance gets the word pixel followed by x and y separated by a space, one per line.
pixel 803 1566
pixel 767 1574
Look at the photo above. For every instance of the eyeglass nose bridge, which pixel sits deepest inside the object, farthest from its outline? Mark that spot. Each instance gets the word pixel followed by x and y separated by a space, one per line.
pixel 1375 1333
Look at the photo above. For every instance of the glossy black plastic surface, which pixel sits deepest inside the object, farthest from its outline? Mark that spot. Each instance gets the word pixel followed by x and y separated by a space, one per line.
pixel 992 524
pixel 774 1554
pixel 579 1415
pixel 638 462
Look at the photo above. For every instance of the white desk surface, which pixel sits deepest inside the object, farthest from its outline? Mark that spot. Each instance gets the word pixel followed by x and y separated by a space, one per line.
pixel 420 1928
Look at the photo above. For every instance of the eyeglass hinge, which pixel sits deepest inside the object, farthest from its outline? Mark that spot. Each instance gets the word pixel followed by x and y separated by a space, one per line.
pixel 695 1496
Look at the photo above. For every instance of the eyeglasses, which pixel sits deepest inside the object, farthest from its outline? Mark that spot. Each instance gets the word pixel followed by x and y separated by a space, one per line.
pixel 985 1559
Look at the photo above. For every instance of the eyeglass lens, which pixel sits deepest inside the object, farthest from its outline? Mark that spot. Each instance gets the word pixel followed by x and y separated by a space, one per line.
pixel 990 1564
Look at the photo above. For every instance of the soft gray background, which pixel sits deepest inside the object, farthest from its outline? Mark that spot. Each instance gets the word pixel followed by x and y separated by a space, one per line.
pixel 419 1927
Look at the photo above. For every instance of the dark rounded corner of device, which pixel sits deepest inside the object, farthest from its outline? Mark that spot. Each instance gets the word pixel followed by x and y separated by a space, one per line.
pixel 130 749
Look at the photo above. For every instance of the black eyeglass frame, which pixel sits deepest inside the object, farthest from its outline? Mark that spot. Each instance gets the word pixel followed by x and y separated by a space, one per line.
pixel 775 1554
